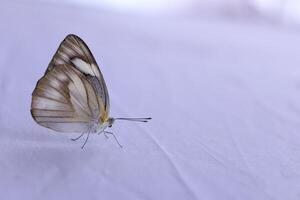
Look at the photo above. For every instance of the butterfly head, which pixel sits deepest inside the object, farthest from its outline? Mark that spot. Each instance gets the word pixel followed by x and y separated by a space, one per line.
pixel 110 122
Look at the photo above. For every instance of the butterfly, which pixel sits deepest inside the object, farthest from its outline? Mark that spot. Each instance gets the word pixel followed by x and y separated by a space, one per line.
pixel 72 95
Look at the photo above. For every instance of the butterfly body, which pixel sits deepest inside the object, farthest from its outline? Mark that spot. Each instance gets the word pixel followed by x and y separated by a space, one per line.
pixel 72 95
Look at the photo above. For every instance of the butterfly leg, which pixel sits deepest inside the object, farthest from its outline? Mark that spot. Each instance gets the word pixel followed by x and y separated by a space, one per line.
pixel 107 132
pixel 74 139
pixel 87 138
pixel 104 134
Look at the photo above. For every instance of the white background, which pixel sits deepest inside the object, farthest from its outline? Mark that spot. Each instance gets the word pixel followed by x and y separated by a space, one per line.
pixel 223 92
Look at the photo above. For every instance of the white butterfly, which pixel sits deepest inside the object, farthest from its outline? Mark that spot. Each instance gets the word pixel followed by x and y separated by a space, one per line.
pixel 72 95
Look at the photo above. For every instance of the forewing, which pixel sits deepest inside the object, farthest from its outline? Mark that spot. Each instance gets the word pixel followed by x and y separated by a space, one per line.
pixel 74 52
pixel 64 100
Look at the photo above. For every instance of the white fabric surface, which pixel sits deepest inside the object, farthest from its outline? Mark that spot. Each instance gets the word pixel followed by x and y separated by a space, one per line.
pixel 224 97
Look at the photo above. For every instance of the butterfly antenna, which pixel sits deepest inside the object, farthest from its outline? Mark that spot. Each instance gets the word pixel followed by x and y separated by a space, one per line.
pixel 135 119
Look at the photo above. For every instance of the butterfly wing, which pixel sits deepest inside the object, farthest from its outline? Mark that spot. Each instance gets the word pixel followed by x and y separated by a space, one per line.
pixel 75 52
pixel 65 101
pixel 72 95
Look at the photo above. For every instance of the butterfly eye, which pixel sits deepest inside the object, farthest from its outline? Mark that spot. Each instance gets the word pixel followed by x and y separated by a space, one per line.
pixel 110 126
